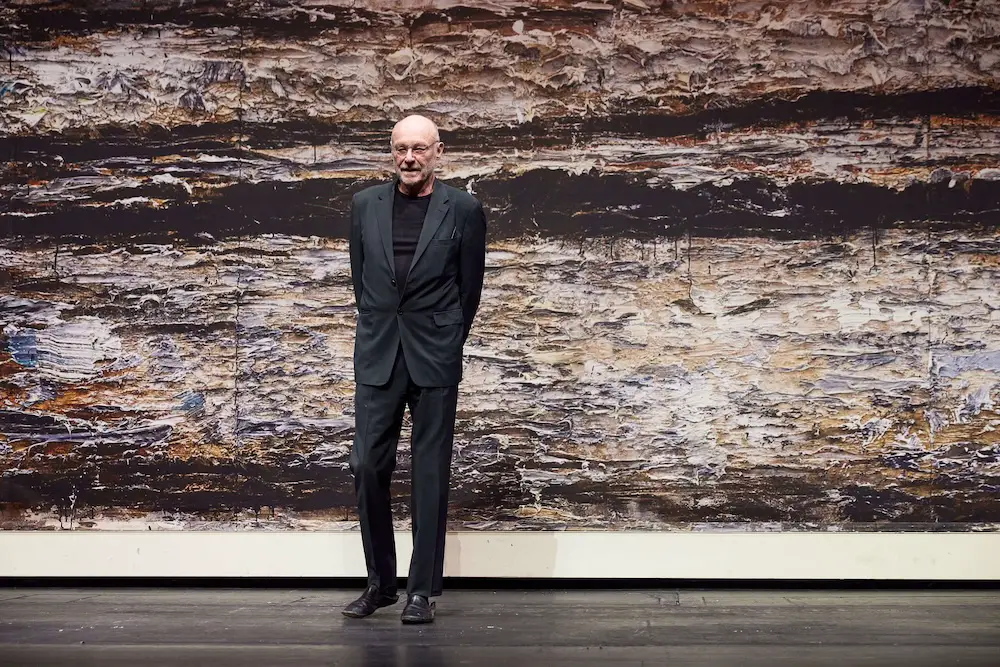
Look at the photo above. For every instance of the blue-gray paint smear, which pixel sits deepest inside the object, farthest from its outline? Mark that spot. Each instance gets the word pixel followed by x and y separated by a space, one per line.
pixel 23 347
pixel 952 365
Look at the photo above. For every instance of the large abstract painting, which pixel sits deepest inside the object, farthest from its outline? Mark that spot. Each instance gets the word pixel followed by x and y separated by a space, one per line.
pixel 743 271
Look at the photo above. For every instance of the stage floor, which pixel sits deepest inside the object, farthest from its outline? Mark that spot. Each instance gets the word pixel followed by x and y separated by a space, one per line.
pixel 272 627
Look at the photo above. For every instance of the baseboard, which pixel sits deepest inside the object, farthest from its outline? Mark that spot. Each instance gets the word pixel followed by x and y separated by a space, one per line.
pixel 565 555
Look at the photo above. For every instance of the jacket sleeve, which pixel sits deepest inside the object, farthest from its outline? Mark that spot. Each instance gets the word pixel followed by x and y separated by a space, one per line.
pixel 472 265
pixel 356 244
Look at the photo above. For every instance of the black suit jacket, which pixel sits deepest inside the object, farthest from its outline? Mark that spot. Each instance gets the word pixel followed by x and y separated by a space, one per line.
pixel 433 317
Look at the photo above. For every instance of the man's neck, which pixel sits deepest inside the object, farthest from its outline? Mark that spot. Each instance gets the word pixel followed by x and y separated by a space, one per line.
pixel 423 191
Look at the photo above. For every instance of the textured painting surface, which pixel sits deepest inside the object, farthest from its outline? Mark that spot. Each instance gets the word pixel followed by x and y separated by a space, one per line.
pixel 743 262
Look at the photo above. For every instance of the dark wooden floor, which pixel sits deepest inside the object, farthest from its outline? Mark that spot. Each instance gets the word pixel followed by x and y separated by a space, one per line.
pixel 152 627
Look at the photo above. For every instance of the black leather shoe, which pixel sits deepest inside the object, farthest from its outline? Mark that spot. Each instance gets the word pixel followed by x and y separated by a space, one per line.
pixel 369 601
pixel 418 610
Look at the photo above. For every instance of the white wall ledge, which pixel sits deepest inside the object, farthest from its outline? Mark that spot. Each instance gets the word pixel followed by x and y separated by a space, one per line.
pixel 557 555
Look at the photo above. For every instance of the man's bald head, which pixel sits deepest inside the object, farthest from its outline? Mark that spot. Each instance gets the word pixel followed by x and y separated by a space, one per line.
pixel 416 147
pixel 416 125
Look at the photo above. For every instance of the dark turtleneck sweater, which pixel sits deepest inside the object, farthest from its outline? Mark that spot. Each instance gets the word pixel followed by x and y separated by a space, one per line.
pixel 408 214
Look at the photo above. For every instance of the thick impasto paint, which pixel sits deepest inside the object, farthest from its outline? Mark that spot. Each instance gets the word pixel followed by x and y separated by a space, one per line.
pixel 744 262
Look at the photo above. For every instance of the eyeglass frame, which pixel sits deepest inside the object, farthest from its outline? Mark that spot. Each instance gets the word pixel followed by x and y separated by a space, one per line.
pixel 417 153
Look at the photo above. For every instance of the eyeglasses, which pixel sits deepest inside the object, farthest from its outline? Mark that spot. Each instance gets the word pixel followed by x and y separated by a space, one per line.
pixel 418 150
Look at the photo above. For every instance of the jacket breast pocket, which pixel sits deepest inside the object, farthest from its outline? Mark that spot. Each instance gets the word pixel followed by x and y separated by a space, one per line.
pixel 442 256
pixel 443 245
pixel 444 318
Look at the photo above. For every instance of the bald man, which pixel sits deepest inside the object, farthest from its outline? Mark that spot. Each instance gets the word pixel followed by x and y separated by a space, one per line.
pixel 418 252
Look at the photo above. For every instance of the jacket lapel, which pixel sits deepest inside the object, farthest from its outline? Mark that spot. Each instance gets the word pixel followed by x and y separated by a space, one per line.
pixel 437 208
pixel 383 212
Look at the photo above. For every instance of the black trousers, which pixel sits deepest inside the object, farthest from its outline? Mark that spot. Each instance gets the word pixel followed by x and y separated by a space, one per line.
pixel 378 420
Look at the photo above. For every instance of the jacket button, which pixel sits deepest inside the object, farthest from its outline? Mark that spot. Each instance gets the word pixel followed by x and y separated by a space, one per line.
pixel 393 282
pixel 399 311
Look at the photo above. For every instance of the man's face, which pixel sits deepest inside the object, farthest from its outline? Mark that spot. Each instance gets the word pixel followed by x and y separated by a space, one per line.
pixel 415 153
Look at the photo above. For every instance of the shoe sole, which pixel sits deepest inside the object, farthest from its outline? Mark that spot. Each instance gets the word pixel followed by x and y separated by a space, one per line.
pixel 416 621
